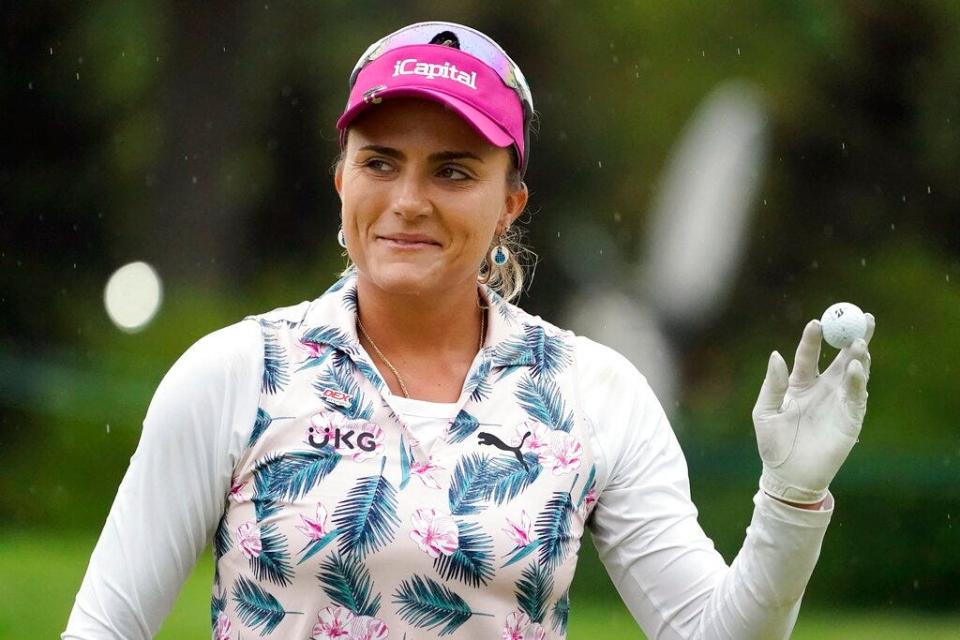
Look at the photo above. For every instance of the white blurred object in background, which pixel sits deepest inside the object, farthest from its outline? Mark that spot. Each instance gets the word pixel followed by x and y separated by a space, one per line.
pixel 698 231
pixel 132 296
pixel 700 218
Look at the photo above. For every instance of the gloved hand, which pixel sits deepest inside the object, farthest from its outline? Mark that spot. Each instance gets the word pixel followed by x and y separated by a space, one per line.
pixel 806 424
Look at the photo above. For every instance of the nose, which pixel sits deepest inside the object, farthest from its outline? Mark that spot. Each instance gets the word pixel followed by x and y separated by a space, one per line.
pixel 412 200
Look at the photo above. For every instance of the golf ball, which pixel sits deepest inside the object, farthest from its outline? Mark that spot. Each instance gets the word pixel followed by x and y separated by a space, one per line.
pixel 842 323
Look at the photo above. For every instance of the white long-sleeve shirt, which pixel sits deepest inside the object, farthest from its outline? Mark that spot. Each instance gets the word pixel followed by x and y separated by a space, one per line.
pixel 644 524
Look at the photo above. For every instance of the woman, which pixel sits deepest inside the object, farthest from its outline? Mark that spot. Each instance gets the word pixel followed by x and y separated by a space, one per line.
pixel 411 456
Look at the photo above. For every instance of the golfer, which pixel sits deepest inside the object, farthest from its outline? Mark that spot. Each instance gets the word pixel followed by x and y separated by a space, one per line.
pixel 410 455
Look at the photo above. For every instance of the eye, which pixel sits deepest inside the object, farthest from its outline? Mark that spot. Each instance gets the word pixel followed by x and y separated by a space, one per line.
pixel 378 165
pixel 454 173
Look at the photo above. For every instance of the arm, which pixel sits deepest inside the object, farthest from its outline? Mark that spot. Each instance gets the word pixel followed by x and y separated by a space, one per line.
pixel 646 531
pixel 172 494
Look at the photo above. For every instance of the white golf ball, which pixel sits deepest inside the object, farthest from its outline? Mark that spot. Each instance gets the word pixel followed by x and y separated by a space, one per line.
pixel 842 323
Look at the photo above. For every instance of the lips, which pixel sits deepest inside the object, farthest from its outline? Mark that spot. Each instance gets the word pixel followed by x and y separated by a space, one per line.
pixel 409 240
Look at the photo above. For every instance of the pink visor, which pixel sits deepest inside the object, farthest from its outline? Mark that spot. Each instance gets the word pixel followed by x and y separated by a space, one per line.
pixel 447 75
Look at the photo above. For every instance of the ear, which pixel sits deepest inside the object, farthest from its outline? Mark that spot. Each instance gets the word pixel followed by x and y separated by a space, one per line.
pixel 338 179
pixel 514 204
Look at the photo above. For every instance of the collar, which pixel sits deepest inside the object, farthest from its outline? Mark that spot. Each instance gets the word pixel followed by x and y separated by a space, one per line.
pixel 513 338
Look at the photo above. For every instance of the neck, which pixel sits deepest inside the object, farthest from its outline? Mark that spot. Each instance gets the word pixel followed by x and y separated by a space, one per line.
pixel 408 326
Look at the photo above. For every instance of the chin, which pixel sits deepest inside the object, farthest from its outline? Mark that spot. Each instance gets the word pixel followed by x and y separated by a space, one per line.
pixel 404 280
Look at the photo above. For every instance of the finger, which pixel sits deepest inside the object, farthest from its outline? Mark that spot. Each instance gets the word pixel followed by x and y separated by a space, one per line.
pixel 871 325
pixel 808 353
pixel 774 386
pixel 857 351
pixel 855 391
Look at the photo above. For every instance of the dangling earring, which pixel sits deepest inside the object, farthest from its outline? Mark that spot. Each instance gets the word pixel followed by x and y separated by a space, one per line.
pixel 499 255
pixel 342 238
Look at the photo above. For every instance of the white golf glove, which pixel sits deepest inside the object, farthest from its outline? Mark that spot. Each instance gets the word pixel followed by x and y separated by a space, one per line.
pixel 806 424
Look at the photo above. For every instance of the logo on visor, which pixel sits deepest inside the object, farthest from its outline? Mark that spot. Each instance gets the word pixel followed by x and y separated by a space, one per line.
pixel 411 67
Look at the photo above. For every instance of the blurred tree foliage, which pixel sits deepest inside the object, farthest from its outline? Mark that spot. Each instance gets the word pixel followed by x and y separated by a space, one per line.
pixel 199 137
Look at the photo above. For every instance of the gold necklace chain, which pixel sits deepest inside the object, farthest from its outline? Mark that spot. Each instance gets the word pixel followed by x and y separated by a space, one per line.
pixel 393 369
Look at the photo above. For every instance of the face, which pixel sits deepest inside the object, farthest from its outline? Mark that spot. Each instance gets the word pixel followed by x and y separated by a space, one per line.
pixel 422 197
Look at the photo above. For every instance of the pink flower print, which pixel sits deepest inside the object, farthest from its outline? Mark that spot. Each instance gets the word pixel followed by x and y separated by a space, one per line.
pixel 516 623
pixel 589 499
pixel 368 628
pixel 519 627
pixel 235 488
pixel 435 532
pixel 563 455
pixel 313 349
pixel 539 435
pixel 367 440
pixel 249 536
pixel 332 622
pixel 424 472
pixel 323 427
pixel 223 628
pixel 314 529
pixel 519 532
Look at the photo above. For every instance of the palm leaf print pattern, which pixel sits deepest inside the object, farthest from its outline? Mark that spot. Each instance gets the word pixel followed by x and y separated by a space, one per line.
pixel 560 613
pixel 257 608
pixel 342 360
pixel 340 378
pixel 367 517
pixel 542 401
pixel 470 485
pixel 221 538
pixel 275 374
pixel 533 591
pixel 273 562
pixel 553 528
pixel 289 477
pixel 260 425
pixel 511 478
pixel 428 604
pixel 479 384
pixel 471 561
pixel 551 354
pixel 217 606
pixel 347 582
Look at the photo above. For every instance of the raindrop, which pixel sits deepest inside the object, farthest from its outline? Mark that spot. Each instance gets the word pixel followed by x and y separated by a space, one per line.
pixel 108 427
pixel 928 189
pixel 616 59
pixel 51 50
pixel 764 202
pixel 843 146
pixel 78 75
pixel 892 226
pixel 30 86
pixel 948 277
pixel 600 163
pixel 814 265
pixel 617 218
pixel 193 179
pixel 863 262
pixel 903 198
pixel 703 54
pixel 738 50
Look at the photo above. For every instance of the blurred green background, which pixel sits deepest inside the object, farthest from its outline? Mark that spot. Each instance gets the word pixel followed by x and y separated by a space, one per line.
pixel 199 137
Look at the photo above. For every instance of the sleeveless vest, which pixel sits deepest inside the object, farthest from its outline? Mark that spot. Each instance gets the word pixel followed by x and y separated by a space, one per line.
pixel 339 524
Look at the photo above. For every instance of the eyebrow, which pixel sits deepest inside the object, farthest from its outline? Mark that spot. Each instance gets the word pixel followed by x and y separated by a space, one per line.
pixel 440 156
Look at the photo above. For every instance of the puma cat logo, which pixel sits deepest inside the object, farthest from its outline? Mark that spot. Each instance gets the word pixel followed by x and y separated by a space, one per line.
pixel 488 438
